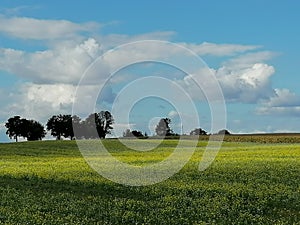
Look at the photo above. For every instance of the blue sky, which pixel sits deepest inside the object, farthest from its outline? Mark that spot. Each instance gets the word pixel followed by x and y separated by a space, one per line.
pixel 252 47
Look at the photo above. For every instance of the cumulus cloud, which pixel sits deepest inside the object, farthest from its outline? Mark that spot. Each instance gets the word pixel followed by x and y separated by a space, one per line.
pixel 283 102
pixel 283 98
pixel 246 85
pixel 39 101
pixel 53 74
pixel 63 64
pixel 38 29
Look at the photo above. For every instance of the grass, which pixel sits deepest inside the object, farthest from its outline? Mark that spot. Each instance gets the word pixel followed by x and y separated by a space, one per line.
pixel 49 182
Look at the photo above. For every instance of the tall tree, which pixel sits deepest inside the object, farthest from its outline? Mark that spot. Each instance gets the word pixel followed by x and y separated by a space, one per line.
pixel 35 130
pixel 68 127
pixel 76 125
pixel 30 129
pixel 55 125
pixel 14 128
pixel 104 123
pixel 60 126
pixel 98 124
pixel 163 127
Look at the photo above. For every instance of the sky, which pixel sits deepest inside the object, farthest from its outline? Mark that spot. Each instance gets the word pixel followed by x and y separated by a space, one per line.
pixel 250 48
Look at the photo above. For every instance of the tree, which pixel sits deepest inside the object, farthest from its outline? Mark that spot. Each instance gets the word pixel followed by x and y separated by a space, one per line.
pixel 127 133
pixel 68 122
pixel 134 133
pixel 30 129
pixel 35 130
pixel 56 125
pixel 77 126
pixel 61 126
pixel 137 133
pixel 163 127
pixel 104 123
pixel 14 128
pixel 198 131
pixel 226 132
pixel 98 125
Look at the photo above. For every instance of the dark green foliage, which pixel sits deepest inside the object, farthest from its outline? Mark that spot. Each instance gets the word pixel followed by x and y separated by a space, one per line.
pixel 30 129
pixel 34 130
pixel 14 127
pixel 60 126
pixel 94 126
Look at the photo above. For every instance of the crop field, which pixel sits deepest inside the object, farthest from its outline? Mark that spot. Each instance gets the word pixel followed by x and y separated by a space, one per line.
pixel 49 182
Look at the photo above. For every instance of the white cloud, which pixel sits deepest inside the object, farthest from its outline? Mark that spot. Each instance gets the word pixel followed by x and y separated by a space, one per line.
pixel 63 64
pixel 219 49
pixel 38 101
pixel 18 9
pixel 284 102
pixel 55 95
pixel 173 114
pixel 113 40
pixel 246 85
pixel 283 98
pixel 248 59
pixel 38 29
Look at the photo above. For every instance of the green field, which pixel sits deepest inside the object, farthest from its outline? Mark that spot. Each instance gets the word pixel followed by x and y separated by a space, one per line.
pixel 49 182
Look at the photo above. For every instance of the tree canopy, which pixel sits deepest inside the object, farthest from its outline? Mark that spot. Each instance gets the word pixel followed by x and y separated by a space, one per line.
pixel 19 127
pixel 163 127
pixel 135 133
pixel 61 126
pixel 198 131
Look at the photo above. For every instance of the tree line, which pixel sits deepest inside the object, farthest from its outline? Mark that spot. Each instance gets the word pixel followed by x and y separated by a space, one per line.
pixel 96 125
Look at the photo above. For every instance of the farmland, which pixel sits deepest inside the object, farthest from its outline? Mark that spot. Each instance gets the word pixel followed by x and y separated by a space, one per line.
pixel 249 182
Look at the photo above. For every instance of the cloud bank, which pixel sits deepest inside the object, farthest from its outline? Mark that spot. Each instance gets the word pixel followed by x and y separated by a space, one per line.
pixel 49 77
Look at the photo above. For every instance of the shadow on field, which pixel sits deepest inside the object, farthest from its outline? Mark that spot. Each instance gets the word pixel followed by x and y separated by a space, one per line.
pixel 32 183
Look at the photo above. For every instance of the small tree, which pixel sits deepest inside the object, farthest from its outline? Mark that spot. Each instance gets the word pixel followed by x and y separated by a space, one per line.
pixel 127 133
pixel 134 133
pixel 163 127
pixel 137 133
pixel 198 131
pixel 225 132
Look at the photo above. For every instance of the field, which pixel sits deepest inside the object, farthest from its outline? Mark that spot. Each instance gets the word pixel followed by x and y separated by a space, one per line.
pixel 49 182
